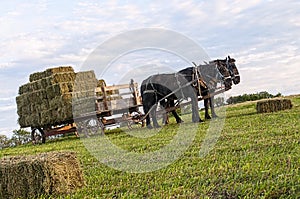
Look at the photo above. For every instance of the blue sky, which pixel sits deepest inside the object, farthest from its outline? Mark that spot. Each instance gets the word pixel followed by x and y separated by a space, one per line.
pixel 263 36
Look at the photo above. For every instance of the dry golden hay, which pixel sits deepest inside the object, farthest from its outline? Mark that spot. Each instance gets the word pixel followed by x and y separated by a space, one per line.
pixel 273 105
pixel 49 72
pixel 47 99
pixel 49 173
pixel 83 105
pixel 86 76
pixel 45 82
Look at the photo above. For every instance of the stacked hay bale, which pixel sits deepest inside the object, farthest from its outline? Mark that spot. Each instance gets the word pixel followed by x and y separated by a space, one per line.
pixel 47 173
pixel 47 99
pixel 273 105
pixel 84 93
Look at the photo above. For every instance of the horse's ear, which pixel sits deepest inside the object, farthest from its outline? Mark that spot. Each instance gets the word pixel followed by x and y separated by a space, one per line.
pixel 228 57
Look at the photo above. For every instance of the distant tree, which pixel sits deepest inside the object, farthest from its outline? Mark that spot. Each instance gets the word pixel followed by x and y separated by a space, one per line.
pixel 251 97
pixel 4 141
pixel 20 137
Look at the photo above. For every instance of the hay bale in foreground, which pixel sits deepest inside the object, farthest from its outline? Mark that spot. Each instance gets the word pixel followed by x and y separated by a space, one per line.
pixel 273 105
pixel 47 173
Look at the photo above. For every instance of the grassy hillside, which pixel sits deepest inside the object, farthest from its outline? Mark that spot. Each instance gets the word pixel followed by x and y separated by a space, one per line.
pixel 256 156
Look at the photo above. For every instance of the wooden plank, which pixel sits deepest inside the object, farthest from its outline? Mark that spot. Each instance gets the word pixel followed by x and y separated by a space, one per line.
pixel 126 93
pixel 98 90
pixel 52 132
pixel 121 86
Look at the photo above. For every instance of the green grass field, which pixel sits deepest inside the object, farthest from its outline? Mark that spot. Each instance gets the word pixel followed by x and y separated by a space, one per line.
pixel 256 156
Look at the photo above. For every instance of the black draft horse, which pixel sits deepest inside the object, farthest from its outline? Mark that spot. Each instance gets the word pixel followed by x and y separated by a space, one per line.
pixel 212 73
pixel 229 73
pixel 226 72
pixel 209 75
pixel 158 88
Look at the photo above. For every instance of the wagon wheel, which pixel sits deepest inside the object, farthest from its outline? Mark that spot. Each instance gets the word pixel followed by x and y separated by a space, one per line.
pixel 80 125
pixel 136 118
pixel 126 118
pixel 92 126
pixel 38 136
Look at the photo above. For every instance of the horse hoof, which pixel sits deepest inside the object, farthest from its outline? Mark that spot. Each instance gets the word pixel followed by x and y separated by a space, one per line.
pixel 207 117
pixel 157 126
pixel 215 116
pixel 149 127
pixel 179 121
pixel 199 121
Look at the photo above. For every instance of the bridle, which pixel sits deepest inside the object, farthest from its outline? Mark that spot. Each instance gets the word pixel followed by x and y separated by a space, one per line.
pixel 221 69
pixel 229 65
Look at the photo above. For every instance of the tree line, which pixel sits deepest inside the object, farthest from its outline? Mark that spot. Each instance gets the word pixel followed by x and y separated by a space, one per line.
pixel 19 137
pixel 251 97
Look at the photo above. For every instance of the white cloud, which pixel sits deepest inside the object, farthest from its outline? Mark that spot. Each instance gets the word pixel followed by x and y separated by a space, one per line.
pixel 7 108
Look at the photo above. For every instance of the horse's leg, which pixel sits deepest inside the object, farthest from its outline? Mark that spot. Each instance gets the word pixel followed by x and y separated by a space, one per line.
pixel 165 119
pixel 212 107
pixel 178 119
pixel 195 110
pixel 206 101
pixel 147 104
pixel 154 119
pixel 206 106
pixel 148 123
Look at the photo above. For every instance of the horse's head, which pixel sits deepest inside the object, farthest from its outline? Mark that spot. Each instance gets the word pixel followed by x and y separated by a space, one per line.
pixel 222 68
pixel 230 64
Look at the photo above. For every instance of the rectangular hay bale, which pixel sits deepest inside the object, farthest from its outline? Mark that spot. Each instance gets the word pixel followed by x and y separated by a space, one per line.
pixel 273 105
pixel 58 89
pixel 60 77
pixel 50 71
pixel 49 173
pixel 86 76
pixel 60 69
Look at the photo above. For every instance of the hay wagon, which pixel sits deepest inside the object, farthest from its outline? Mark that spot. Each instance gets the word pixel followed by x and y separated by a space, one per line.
pixel 59 101
pixel 110 106
pixel 56 98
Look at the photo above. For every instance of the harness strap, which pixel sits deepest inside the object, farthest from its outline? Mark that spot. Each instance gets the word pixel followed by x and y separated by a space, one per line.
pixel 202 83
pixel 150 91
pixel 178 84
pixel 225 78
